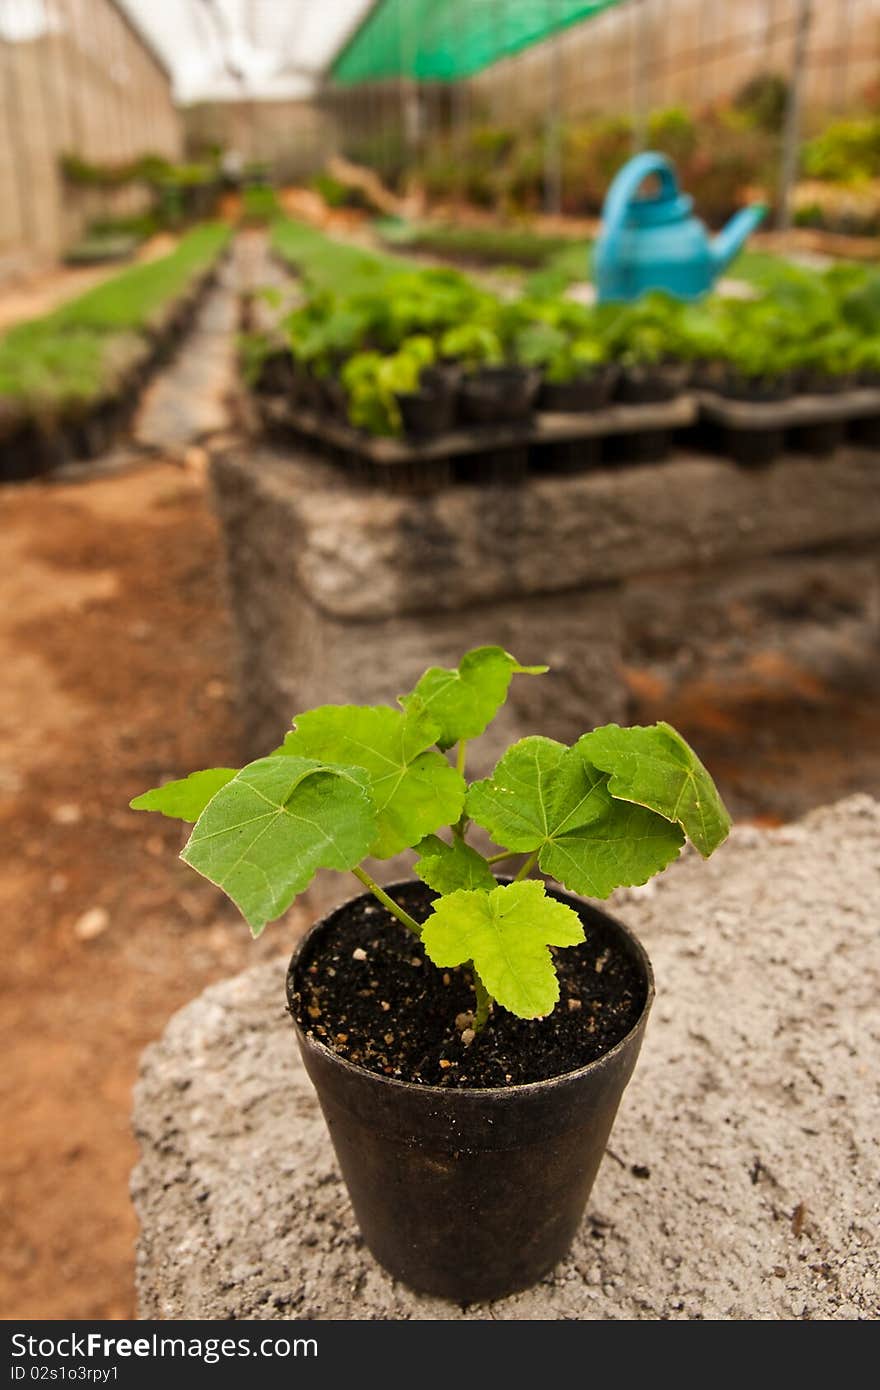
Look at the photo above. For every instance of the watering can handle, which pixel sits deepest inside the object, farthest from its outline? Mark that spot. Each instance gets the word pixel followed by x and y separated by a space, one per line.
pixel 626 184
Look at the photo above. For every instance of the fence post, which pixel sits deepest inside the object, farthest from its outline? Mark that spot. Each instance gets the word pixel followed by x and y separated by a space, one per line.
pixel 640 77
pixel 792 129
pixel 553 118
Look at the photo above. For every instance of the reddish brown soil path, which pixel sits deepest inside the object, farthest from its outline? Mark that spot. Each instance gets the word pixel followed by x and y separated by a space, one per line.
pixel 116 670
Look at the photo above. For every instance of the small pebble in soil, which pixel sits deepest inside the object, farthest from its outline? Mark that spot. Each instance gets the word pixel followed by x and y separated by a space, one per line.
pixel 91 924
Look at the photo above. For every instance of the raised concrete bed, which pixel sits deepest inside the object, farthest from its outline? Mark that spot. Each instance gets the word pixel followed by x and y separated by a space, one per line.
pixel 344 594
pixel 742 1179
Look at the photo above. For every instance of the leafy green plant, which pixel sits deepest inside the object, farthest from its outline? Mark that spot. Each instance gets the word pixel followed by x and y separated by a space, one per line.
pixel 645 332
pixel 350 781
pixel 373 382
pixel 475 345
pixel 763 99
pixel 259 204
pixel 847 151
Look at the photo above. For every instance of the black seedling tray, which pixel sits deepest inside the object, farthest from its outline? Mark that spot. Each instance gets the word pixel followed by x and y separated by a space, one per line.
pixel 486 453
pixel 756 432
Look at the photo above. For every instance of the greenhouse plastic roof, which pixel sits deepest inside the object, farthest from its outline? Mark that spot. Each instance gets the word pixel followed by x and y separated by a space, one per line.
pixel 237 49
pixel 442 40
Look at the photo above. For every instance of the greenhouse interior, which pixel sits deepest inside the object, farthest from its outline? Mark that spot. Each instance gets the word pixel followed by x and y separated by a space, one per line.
pixel 439 444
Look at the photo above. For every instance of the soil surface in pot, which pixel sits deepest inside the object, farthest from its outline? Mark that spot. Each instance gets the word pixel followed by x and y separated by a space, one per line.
pixel 373 997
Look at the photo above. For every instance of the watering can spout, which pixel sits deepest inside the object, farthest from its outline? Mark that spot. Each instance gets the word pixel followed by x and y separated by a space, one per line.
pixel 731 238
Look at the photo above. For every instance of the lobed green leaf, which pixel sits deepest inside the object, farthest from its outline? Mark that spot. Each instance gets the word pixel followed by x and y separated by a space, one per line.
pixel 264 835
pixel 653 766
pixel 446 868
pixel 466 699
pixel 414 791
pixel 186 798
pixel 546 798
pixel 507 934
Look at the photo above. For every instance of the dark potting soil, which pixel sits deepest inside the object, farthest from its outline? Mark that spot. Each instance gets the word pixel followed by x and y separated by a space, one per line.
pixel 371 995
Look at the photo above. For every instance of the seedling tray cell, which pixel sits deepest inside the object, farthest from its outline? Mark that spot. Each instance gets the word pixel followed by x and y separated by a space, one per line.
pixel 756 432
pixel 487 453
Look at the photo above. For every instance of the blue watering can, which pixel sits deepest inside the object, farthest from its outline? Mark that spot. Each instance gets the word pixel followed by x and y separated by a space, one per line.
pixel 656 243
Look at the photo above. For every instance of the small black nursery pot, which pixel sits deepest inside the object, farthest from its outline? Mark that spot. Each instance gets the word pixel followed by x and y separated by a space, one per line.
pixel 651 384
pixel 588 392
pixel 432 409
pixel 498 395
pixel 470 1193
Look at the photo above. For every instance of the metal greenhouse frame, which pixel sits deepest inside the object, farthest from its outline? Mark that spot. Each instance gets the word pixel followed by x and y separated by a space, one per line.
pixel 417 45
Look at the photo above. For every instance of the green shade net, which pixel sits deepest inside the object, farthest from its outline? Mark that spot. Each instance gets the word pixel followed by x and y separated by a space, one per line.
pixel 442 40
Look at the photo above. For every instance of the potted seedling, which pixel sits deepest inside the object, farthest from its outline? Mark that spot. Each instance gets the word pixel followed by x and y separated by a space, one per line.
pixel 425 392
pixel 561 338
pixel 640 341
pixel 469 1036
pixel 494 391
pixel 761 350
pixel 578 376
pixel 395 393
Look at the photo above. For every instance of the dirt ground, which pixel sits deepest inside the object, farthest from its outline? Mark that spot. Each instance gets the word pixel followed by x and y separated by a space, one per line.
pixel 117 664
pixel 116 670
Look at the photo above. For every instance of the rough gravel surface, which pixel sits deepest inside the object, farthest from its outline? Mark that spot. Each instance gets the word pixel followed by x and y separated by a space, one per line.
pixel 742 1178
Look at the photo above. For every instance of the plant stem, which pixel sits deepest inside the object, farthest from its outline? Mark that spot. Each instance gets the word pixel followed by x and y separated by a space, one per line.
pixel 526 867
pixel 505 854
pixel 484 1002
pixel 394 908
pixel 462 754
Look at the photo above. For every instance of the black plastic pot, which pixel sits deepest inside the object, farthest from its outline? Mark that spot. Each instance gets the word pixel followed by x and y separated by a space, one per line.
pixel 566 455
pixel 649 385
pixel 866 431
pixel 821 437
pixel 432 409
pixel 471 1194
pixel 498 395
pixel 276 374
pixel 811 382
pixel 585 393
pixel 753 448
pixel 758 388
pixel 640 446
pixel 333 397
pixel 507 464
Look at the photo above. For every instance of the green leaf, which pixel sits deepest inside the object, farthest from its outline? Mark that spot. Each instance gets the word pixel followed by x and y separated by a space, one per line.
pixel 466 700
pixel 654 767
pixel 414 791
pixel 507 934
pixel 547 798
pixel 446 868
pixel 265 834
pixel 186 798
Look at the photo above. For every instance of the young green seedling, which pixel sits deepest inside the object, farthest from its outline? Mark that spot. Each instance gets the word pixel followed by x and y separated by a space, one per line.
pixel 351 782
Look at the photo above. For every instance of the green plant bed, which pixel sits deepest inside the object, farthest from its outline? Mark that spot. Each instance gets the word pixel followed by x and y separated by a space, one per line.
pixel 487 245
pixel 260 205
pixel 57 371
pixel 374 332
pixel 325 263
